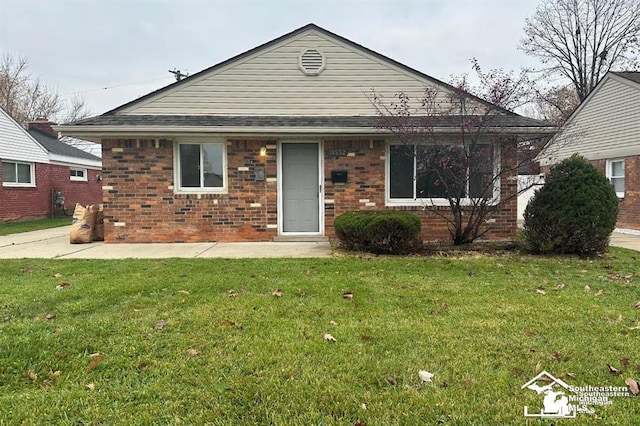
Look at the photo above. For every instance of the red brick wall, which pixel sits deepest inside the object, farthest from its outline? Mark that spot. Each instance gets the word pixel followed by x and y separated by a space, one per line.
pixel 629 207
pixel 33 203
pixel 141 206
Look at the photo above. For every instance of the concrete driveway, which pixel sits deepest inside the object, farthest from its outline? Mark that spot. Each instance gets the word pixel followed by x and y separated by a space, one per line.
pixel 54 244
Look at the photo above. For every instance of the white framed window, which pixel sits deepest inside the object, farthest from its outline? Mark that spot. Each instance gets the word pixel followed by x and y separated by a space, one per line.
pixel 615 174
pixel 16 173
pixel 76 173
pixel 428 174
pixel 201 167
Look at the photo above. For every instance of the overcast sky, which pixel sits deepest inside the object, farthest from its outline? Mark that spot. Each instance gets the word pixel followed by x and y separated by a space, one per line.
pixel 113 51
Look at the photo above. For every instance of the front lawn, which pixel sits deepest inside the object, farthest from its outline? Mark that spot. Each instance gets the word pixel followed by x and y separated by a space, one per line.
pixel 7 228
pixel 195 341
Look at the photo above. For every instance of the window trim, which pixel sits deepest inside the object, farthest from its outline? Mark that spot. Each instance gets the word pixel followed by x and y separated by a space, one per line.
pixel 32 177
pixel 82 178
pixel 177 188
pixel 437 202
pixel 609 174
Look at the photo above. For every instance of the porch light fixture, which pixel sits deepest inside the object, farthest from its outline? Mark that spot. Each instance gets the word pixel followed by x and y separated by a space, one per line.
pixel 263 151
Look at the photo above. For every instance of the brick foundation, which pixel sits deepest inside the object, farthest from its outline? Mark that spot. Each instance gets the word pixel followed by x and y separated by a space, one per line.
pixel 141 206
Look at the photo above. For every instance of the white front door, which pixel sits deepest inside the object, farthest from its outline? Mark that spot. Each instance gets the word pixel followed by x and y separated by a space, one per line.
pixel 300 188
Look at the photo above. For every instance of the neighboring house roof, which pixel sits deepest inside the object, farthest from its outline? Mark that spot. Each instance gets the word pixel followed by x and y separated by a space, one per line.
pixel 16 143
pixel 605 125
pixel 61 149
pixel 265 90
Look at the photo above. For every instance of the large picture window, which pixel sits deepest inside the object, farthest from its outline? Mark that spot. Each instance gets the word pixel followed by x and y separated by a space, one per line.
pixel 201 167
pixel 439 172
pixel 18 174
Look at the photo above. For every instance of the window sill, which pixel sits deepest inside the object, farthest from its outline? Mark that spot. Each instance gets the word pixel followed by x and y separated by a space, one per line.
pixel 18 185
pixel 431 202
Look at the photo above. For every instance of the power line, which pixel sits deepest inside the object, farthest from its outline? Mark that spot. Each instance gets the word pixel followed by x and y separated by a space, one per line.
pixel 116 86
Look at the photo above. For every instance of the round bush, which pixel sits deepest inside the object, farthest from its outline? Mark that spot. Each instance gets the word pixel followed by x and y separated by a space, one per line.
pixel 573 213
pixel 382 232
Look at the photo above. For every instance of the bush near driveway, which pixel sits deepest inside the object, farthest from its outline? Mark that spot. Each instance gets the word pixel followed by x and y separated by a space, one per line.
pixel 574 212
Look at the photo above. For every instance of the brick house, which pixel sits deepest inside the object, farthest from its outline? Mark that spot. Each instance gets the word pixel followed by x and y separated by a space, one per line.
pixel 34 164
pixel 273 144
pixel 605 129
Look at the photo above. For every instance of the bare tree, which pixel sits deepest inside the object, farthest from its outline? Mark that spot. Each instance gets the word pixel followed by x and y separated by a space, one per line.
pixel 26 98
pixel 581 40
pixel 454 147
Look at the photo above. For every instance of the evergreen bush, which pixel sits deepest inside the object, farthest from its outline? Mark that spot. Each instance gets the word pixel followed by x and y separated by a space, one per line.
pixel 381 232
pixel 574 212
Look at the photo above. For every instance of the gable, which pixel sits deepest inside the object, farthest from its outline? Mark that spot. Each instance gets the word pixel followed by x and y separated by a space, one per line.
pixel 606 125
pixel 16 144
pixel 269 81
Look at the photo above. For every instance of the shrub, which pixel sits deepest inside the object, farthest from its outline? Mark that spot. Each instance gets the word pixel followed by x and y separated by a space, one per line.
pixel 381 232
pixel 574 212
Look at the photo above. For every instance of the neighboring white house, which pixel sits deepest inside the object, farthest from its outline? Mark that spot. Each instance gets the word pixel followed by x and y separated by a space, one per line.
pixel 605 129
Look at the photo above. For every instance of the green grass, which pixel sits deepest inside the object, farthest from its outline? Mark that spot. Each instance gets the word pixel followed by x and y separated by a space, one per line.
pixel 7 228
pixel 477 322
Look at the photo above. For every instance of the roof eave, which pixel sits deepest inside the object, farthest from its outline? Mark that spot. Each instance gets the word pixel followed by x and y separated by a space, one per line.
pixel 96 133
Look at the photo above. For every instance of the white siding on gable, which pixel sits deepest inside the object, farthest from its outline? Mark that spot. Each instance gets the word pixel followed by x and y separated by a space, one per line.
pixel 16 144
pixel 607 125
pixel 270 82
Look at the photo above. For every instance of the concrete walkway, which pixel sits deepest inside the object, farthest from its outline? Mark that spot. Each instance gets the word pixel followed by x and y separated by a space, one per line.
pixel 54 243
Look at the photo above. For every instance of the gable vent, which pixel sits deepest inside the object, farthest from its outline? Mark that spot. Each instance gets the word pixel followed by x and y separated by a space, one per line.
pixel 312 62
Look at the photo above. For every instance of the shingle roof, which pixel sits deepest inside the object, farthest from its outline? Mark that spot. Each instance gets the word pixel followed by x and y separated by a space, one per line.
pixel 629 75
pixel 54 146
pixel 445 121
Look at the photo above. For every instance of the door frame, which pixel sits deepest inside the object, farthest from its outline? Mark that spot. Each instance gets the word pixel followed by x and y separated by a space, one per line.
pixel 280 193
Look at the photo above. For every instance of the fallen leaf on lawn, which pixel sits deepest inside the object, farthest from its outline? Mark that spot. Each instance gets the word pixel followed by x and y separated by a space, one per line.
pixel 57 330
pixel 620 319
pixel 227 323
pixel 332 322
pixel 27 270
pixel 56 373
pixel 559 287
pixel 49 316
pixel 142 366
pixel 557 356
pixel 613 370
pixel 633 386
pixel 637 305
pixel 599 293
pixel 329 338
pixel 540 290
pixel 58 275
pixel 97 359
pixel 91 386
pixel 443 384
pixel 359 423
pixel 192 352
pixel 571 374
pixel 625 362
pixel 538 368
pixel 232 293
pixel 632 328
pixel 62 286
pixel 391 381
pixel 586 287
pixel 6 318
pixel 276 293
pixel 185 292
pixel 161 325
pixel 425 376
pixel 363 406
pixel 32 375
pixel 347 295
pixel 366 338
